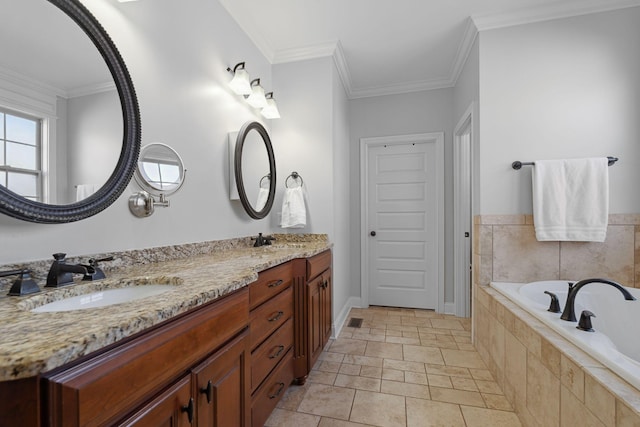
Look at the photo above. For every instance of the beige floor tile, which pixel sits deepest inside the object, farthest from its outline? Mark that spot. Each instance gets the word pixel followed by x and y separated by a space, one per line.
pixel 452 371
pixel 328 401
pixel 293 396
pixel 371 372
pixel 410 334
pixel 379 409
pixel 427 413
pixel 363 360
pixel 321 377
pixel 330 422
pixel 384 350
pixel 402 328
pixel 368 337
pixel 465 359
pixel 403 340
pixel 464 384
pixel 403 365
pixel 328 366
pixel 405 389
pixel 331 357
pixel 481 374
pixel 461 397
pixel 440 344
pixel 349 369
pixel 489 387
pixel 416 378
pixel 393 333
pixel 284 418
pixel 357 382
pixel 348 346
pixel 496 401
pixel 447 324
pixel 466 347
pixel 480 417
pixel 392 374
pixel 440 381
pixel 416 353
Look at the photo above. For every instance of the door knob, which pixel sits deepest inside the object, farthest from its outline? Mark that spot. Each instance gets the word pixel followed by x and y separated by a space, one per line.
pixel 373 233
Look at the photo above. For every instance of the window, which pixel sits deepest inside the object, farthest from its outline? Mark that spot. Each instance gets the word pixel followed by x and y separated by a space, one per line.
pixel 20 147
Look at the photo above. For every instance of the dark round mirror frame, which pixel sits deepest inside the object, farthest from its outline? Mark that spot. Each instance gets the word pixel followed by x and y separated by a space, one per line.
pixel 242 134
pixel 19 207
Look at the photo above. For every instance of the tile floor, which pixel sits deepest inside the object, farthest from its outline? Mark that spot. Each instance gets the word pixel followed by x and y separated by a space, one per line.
pixel 403 367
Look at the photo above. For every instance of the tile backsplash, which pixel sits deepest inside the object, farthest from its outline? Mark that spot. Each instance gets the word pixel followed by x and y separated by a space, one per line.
pixel 505 249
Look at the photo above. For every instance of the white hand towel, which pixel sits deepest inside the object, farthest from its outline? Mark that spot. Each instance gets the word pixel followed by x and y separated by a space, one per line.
pixel 294 212
pixel 263 195
pixel 571 199
pixel 85 190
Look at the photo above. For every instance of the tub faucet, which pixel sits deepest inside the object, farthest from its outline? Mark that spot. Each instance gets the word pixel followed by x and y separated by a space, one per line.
pixel 569 311
pixel 61 273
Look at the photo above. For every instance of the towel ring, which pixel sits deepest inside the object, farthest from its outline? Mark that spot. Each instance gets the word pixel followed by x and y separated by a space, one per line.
pixel 294 175
pixel 267 176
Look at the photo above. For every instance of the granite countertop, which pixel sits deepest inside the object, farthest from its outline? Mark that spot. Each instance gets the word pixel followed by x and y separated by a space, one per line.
pixel 33 343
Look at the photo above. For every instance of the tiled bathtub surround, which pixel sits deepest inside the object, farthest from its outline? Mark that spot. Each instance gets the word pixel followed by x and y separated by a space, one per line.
pixel 505 249
pixel 549 381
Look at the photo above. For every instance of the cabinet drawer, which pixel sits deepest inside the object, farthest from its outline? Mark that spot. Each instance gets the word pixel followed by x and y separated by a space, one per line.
pixel 270 282
pixel 271 391
pixel 270 352
pixel 318 263
pixel 270 316
pixel 115 382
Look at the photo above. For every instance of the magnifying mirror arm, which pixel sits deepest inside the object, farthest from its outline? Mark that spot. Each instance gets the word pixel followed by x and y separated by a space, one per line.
pixel 142 204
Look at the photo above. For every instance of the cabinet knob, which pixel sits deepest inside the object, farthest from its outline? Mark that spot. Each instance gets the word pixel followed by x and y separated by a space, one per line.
pixel 189 410
pixel 208 390
pixel 276 283
pixel 277 353
pixel 373 233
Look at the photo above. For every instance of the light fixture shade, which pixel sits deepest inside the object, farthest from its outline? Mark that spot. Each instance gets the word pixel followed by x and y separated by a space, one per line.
pixel 271 110
pixel 240 83
pixel 257 99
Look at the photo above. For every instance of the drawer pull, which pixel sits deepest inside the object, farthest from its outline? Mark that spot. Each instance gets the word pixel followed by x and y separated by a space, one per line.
pixel 277 393
pixel 277 316
pixel 207 391
pixel 189 410
pixel 277 353
pixel 276 283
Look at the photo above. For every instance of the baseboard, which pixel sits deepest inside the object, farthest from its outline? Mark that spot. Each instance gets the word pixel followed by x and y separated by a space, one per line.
pixel 449 308
pixel 341 318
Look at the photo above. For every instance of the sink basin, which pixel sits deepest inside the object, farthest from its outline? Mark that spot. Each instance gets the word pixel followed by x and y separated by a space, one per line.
pixel 103 298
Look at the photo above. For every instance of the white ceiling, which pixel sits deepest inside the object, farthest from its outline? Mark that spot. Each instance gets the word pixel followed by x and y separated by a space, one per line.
pixel 391 46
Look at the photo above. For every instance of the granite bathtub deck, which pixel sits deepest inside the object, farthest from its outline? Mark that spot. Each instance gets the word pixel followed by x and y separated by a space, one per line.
pixel 33 343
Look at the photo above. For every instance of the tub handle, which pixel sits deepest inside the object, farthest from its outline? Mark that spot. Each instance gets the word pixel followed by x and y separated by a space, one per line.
pixel 554 307
pixel 585 321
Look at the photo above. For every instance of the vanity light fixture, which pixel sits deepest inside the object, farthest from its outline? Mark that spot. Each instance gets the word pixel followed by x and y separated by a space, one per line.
pixel 257 98
pixel 270 111
pixel 240 82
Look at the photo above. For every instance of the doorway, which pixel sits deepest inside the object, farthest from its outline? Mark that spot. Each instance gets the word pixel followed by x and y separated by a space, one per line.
pixel 402 221
pixel 462 217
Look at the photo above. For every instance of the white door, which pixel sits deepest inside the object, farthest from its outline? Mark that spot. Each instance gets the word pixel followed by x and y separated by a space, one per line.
pixel 404 221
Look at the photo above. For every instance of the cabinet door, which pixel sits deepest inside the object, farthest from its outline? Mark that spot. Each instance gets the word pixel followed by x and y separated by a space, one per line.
pixel 172 408
pixel 315 335
pixel 326 307
pixel 222 386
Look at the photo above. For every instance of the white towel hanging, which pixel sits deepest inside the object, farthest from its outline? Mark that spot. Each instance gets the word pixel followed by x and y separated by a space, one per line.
pixel 571 199
pixel 294 211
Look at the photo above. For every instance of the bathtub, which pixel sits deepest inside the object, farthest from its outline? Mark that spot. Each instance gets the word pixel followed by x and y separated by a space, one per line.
pixel 614 342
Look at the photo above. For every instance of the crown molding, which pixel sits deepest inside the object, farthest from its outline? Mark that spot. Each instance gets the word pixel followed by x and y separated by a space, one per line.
pixel 464 49
pixel 343 69
pixel 319 50
pixel 396 89
pixel 548 12
pixel 91 89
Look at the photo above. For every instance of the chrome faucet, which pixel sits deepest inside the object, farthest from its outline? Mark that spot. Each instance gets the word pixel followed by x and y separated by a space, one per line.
pixel 569 311
pixel 61 273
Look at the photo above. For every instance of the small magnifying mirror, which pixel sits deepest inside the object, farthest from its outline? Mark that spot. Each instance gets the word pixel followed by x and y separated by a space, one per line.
pixel 160 173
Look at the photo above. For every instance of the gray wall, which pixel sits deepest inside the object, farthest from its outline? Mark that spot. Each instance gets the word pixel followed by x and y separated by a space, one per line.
pixel 560 89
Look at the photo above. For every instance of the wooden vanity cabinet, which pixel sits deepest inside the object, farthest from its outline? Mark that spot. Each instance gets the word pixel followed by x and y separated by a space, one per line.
pixel 313 286
pixel 158 377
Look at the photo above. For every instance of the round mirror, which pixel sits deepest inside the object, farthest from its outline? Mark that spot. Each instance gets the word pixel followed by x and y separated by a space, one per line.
pixel 255 170
pixel 70 128
pixel 160 170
